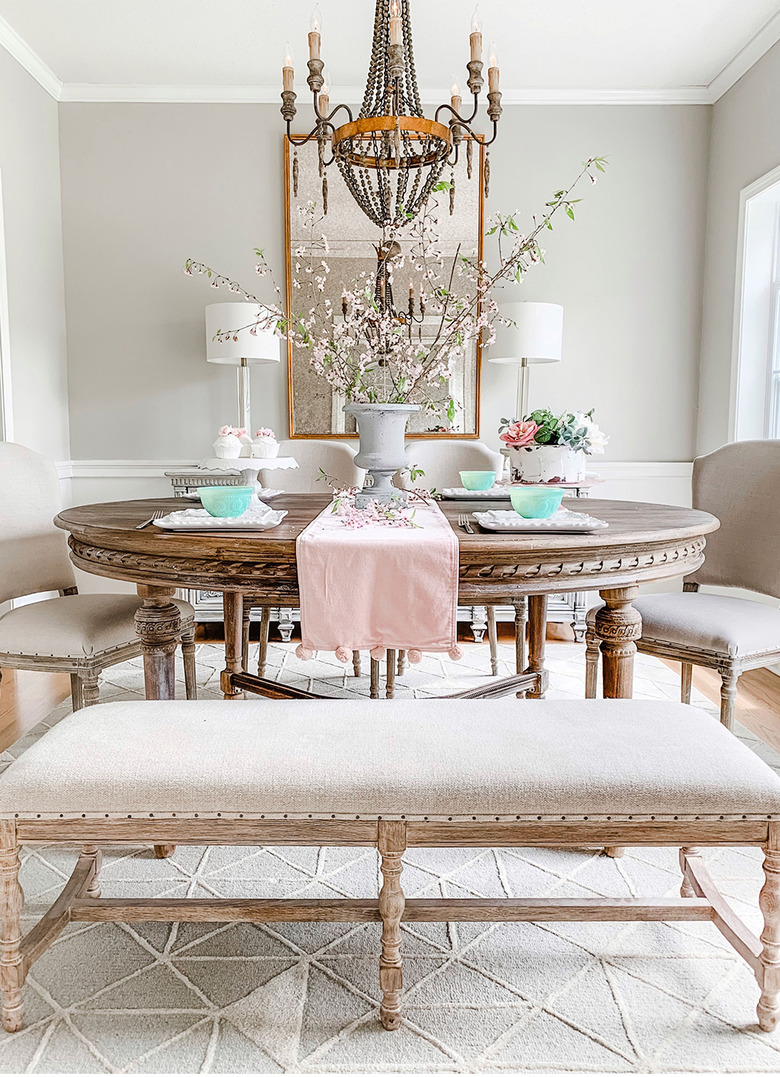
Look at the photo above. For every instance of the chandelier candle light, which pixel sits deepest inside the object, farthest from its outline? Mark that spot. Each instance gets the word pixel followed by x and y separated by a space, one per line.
pixel 391 156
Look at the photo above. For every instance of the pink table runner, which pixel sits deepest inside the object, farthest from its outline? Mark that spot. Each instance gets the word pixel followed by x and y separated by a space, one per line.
pixel 378 586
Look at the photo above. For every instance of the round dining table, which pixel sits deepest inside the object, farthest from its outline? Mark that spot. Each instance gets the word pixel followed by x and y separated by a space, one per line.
pixel 643 542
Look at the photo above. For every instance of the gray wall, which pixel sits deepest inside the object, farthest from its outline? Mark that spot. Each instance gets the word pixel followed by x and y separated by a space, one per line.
pixel 745 145
pixel 29 166
pixel 145 186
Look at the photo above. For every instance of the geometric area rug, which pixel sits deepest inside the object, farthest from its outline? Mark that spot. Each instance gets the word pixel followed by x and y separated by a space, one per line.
pixel 478 998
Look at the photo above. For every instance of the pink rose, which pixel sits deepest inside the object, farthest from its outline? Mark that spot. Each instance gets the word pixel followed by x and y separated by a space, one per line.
pixel 520 433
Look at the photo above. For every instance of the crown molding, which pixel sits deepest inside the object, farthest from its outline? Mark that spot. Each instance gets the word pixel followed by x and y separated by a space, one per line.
pixel 271 95
pixel 757 47
pixel 29 60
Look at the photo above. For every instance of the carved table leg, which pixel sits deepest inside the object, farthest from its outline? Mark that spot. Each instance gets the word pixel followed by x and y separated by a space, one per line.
pixel 233 604
pixel 618 626
pixel 493 640
pixel 537 631
pixel 686 889
pixel 391 667
pixel 158 624
pixel 769 900
pixel 521 620
pixel 11 904
pixel 392 844
pixel 265 628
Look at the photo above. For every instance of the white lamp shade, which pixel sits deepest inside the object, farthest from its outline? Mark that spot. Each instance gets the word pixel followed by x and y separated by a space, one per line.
pixel 536 335
pixel 262 347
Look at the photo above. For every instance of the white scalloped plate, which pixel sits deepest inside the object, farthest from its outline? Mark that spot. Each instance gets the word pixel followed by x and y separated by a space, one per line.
pixel 460 493
pixel 562 520
pixel 200 520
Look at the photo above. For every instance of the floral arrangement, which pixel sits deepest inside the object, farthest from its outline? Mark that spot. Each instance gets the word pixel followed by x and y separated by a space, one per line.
pixel 372 353
pixel 576 430
pixel 374 513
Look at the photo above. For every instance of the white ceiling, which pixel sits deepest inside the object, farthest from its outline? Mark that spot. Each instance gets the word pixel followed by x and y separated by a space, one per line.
pixel 232 49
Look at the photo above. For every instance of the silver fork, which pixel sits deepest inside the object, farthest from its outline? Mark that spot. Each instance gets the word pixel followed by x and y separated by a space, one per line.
pixel 463 521
pixel 158 515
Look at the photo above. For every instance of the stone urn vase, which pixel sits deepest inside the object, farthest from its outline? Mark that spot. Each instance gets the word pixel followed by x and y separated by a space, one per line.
pixel 381 429
pixel 546 463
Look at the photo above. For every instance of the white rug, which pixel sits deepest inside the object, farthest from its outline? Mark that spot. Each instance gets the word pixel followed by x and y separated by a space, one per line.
pixel 478 997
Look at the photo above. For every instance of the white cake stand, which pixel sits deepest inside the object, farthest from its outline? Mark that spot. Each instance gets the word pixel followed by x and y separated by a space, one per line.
pixel 248 467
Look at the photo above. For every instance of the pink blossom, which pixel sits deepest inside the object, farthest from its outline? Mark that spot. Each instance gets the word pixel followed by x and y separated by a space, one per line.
pixel 265 432
pixel 520 433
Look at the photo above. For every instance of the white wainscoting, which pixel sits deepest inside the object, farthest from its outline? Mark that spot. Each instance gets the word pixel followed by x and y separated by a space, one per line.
pixel 89 481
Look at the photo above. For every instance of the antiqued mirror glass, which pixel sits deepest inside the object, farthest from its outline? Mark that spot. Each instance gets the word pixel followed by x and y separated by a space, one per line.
pixel 316 410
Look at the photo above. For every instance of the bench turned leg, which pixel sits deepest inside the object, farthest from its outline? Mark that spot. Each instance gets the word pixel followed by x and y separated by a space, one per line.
pixel 93 890
pixel 769 901
pixel 392 844
pixel 11 904
pixel 686 889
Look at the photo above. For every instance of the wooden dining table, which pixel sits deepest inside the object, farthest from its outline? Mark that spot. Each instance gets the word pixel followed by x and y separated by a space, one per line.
pixel 643 542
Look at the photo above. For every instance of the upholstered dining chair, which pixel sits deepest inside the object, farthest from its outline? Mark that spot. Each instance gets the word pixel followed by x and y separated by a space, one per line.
pixel 77 634
pixel 740 484
pixel 442 460
pixel 337 460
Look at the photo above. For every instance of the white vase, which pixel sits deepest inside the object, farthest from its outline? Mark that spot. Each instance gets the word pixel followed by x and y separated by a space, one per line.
pixel 546 463
pixel 263 449
pixel 227 447
pixel 381 429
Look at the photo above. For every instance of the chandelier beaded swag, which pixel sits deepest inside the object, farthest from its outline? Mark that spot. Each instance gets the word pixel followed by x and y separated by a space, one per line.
pixel 391 156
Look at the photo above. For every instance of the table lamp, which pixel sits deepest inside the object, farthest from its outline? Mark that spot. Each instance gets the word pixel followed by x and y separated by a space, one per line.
pixel 245 351
pixel 534 335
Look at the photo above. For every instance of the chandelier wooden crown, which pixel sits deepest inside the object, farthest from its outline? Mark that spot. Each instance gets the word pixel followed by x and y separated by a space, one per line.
pixel 391 155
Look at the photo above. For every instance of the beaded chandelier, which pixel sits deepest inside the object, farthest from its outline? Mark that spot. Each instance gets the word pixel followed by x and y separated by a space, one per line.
pixel 391 156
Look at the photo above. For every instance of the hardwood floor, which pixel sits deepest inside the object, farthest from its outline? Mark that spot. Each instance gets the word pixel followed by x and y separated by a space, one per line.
pixel 26 698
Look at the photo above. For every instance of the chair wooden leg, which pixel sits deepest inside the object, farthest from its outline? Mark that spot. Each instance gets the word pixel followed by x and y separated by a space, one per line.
pixel 265 631
pixel 392 844
pixel 188 657
pixel 492 639
pixel 374 690
pixel 11 905
pixel 686 681
pixel 521 621
pixel 403 663
pixel 392 661
pixel 728 697
pixel 686 889
pixel 356 663
pixel 769 900
pixel 591 664
pixel 162 852
pixel 93 890
pixel 90 683
pixel 76 692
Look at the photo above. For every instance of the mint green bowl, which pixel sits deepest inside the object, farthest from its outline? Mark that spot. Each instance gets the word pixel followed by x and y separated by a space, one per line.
pixel 536 502
pixel 225 500
pixel 477 480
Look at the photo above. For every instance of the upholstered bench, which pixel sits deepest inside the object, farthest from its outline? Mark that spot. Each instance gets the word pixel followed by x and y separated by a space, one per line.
pixel 423 773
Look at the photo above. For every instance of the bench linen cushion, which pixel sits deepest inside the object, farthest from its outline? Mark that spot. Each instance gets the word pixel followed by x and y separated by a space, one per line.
pixel 73 626
pixel 720 623
pixel 425 758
